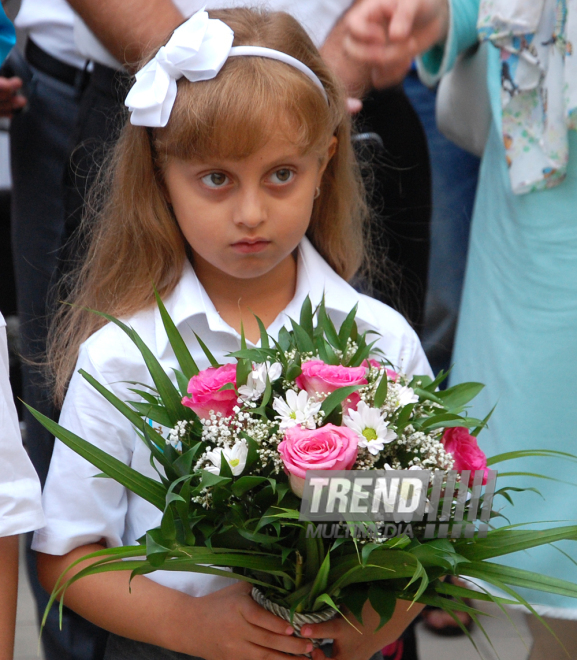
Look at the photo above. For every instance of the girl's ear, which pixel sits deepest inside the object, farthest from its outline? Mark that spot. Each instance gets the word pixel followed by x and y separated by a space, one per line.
pixel 330 152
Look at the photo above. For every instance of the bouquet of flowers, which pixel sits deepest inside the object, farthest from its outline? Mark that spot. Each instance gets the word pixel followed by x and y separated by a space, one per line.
pixel 233 443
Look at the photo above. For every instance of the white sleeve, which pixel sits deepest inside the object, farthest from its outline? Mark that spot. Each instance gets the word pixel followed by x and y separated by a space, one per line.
pixel 415 361
pixel 20 508
pixel 80 507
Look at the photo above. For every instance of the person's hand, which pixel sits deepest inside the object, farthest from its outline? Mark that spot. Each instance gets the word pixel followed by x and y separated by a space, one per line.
pixel 387 35
pixel 229 623
pixel 349 644
pixel 10 100
pixel 355 75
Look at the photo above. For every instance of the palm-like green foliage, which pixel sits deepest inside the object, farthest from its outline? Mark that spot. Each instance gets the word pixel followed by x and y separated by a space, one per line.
pixel 252 525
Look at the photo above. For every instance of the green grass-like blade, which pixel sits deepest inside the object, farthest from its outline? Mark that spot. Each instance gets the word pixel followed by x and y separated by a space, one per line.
pixel 166 390
pixel 517 577
pixel 185 360
pixel 526 453
pixel 144 486
pixel 133 417
pixel 504 542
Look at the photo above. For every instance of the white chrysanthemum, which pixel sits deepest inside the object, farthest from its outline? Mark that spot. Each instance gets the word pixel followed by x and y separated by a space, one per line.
pixel 369 424
pixel 235 456
pixel 406 395
pixel 297 409
pixel 256 381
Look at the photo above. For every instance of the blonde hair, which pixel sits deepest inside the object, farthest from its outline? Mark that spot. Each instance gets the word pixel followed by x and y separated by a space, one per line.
pixel 133 237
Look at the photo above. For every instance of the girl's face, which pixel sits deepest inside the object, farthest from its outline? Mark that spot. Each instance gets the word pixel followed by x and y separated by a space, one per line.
pixel 244 218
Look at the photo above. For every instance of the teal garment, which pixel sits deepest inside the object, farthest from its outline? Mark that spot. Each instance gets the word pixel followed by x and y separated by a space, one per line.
pixel 517 329
pixel 7 35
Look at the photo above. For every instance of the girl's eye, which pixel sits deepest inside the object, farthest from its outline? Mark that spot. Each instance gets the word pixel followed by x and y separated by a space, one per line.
pixel 283 175
pixel 215 180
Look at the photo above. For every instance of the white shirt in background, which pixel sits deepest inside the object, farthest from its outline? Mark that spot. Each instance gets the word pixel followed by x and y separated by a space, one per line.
pixel 20 508
pixel 50 24
pixel 318 17
pixel 82 509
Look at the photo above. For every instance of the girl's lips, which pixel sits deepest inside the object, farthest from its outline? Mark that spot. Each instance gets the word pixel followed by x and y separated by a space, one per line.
pixel 250 246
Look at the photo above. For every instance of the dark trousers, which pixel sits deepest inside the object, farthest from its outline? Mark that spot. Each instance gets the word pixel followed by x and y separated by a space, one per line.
pixel 100 119
pixel 39 141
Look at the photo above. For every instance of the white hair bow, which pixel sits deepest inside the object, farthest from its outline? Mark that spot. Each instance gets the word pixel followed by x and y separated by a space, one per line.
pixel 197 50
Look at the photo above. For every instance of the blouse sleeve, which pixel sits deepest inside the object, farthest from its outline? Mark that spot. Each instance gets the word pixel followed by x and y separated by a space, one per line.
pixel 81 507
pixel 440 59
pixel 20 508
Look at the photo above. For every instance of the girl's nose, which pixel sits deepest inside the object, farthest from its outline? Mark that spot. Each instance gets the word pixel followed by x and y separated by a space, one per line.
pixel 251 209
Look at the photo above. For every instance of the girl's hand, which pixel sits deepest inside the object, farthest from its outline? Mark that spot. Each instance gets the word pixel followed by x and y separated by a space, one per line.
pixel 388 34
pixel 232 624
pixel 349 644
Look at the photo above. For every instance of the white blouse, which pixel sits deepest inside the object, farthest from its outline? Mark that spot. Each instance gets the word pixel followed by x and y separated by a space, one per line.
pixel 81 509
pixel 20 508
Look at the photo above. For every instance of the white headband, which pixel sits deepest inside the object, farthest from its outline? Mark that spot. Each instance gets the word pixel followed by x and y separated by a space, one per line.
pixel 196 50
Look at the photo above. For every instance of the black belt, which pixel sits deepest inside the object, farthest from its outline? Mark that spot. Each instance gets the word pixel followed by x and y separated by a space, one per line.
pixel 43 61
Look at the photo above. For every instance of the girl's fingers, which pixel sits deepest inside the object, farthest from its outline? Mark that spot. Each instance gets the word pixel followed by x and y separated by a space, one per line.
pixel 328 630
pixel 261 653
pixel 283 643
pixel 258 616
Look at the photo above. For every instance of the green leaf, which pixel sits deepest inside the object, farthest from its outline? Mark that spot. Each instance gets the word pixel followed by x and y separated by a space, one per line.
pixel 181 352
pixel 306 317
pixel 208 479
pixel 154 412
pixel 264 341
pixel 167 526
pixel 209 356
pixel 244 484
pixel 321 580
pixel 459 395
pixel 347 326
pixel 383 601
pixel 156 552
pixel 355 597
pixel 381 391
pixel 145 487
pixel 122 407
pixel 253 447
pixel 182 382
pixel 328 327
pixel 304 342
pixel 475 432
pixel 337 397
pixel 517 577
pixel 526 453
pixel 166 390
pixel 284 339
pixel 243 369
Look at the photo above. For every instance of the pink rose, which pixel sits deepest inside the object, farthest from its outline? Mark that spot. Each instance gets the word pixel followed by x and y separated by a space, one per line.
pixel 204 391
pixel 317 377
pixel 465 451
pixel 328 448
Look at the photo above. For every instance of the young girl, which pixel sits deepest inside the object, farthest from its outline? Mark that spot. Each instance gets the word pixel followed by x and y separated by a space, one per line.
pixel 234 191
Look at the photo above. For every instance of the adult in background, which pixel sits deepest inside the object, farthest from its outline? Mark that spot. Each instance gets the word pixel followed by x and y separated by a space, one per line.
pixel 41 92
pixel 518 319
pixel 109 36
